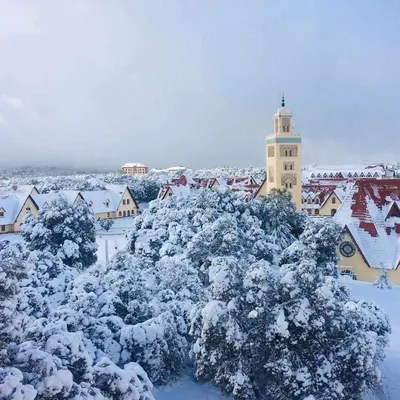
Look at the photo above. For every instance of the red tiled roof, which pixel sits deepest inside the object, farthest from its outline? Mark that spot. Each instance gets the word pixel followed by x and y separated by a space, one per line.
pixel 371 213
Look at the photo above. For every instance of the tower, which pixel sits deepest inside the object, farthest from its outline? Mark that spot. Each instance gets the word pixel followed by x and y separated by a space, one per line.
pixel 284 156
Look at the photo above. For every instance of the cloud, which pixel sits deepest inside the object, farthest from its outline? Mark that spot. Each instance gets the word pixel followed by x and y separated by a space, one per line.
pixel 99 83
pixel 14 102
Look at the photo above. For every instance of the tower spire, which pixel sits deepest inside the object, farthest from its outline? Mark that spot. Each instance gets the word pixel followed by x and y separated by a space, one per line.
pixel 283 100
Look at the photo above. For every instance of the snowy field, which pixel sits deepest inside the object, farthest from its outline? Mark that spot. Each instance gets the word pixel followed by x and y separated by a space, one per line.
pixel 389 300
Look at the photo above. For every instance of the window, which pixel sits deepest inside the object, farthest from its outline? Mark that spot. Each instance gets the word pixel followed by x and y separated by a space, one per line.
pixel 170 194
pixel 124 213
pixel 128 201
pixel 286 153
pixel 309 211
pixel 129 213
pixel 120 213
pixel 333 200
pixel 316 212
pixel 309 200
pixel 290 153
pixel 290 185
pixel 28 209
pixel 108 215
pixel 291 166
pixel 1 213
pixel 285 167
pixel 123 201
pixel 133 212
pixel 333 212
pixel 347 249
pixel 3 228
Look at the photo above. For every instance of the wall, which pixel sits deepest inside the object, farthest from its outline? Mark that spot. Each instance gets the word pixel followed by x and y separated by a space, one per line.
pixel 7 228
pixel 361 269
pixel 125 207
pixel 277 163
pixel 105 215
pixel 326 208
pixel 33 209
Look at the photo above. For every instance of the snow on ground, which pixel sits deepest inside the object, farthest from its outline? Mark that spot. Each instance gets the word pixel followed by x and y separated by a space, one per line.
pixel 187 389
pixel 109 243
pixel 388 300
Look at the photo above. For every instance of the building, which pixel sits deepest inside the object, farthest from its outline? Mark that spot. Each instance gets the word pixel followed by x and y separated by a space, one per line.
pixel 114 202
pixel 15 203
pixel 134 169
pixel 370 217
pixel 283 157
pixel 323 200
pixel 334 174
pixel 184 186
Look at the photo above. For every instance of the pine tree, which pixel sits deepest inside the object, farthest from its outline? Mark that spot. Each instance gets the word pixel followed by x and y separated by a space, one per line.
pixel 64 230
pixel 290 331
pixel 382 281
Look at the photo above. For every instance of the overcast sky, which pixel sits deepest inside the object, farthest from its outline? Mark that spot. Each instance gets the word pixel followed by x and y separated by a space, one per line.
pixel 97 83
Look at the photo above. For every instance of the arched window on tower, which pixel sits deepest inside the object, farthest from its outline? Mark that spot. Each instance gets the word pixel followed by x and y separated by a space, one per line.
pixel 285 167
pixel 286 153
pixel 290 153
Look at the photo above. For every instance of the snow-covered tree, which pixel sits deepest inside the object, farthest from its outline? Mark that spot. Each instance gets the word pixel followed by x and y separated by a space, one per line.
pixel 106 224
pixel 382 282
pixel 290 331
pixel 64 230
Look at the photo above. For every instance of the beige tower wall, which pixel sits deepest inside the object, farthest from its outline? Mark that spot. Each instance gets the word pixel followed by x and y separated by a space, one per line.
pixel 284 161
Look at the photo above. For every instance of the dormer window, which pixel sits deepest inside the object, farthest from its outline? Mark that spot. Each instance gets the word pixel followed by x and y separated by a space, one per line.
pixel 107 203
pixel 2 212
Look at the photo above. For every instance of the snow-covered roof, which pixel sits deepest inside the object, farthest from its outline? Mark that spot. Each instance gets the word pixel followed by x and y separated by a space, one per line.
pixel 371 215
pixel 179 168
pixel 46 198
pixel 10 205
pixel 102 201
pixel 12 200
pixel 133 165
pixel 313 172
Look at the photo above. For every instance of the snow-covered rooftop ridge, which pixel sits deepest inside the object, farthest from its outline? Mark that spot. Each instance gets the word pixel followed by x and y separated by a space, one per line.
pixel 371 214
pixel 133 165
pixel 345 167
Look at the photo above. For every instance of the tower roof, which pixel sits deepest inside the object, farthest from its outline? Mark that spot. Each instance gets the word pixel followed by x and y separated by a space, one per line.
pixel 283 110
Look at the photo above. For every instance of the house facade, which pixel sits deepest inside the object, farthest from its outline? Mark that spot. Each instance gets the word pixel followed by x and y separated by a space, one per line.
pixel 113 202
pixel 15 203
pixel 134 169
pixel 370 218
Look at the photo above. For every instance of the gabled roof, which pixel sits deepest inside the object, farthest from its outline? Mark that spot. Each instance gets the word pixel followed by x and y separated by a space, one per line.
pixel 102 201
pixel 367 214
pixel 46 198
pixel 10 205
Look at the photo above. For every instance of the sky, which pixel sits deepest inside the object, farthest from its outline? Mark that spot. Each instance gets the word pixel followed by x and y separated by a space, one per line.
pixel 97 83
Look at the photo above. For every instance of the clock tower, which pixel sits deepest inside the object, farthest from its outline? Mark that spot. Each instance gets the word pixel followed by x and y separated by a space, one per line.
pixel 283 148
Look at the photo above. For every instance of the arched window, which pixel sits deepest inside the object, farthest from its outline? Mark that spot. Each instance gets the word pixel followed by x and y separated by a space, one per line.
pixel 285 167
pixel 290 153
pixel 286 153
pixel 124 213
pixel 291 166
pixel 290 185
pixel 129 213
